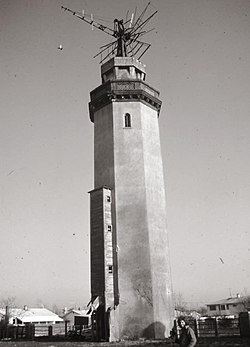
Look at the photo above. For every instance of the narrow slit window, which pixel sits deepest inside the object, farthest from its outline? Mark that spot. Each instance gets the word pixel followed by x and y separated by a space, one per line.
pixel 109 227
pixel 127 120
pixel 110 269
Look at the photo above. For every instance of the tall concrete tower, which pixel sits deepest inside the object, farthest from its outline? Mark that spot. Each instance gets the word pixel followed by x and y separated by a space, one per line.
pixel 131 290
pixel 130 270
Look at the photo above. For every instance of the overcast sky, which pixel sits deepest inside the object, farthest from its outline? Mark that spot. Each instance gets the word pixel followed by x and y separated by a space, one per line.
pixel 200 63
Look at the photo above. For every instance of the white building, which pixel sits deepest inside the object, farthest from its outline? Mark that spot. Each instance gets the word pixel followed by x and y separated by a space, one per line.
pixel 31 315
pixel 228 307
pixel 77 317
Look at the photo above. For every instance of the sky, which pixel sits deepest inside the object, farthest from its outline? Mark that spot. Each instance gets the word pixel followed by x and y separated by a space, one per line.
pixel 199 61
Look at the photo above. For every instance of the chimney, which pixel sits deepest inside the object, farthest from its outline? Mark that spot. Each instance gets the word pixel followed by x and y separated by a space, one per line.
pixel 7 314
pixel 238 295
pixel 25 308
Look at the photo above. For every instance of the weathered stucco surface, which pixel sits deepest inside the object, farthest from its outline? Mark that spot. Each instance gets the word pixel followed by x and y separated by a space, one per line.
pixel 128 160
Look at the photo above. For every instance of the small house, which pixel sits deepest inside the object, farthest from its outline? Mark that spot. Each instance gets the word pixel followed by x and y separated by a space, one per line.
pixel 18 316
pixel 78 317
pixel 228 307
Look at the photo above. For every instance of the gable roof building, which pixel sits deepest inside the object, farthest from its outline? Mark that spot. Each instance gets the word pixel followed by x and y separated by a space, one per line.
pixel 78 317
pixel 31 315
pixel 228 307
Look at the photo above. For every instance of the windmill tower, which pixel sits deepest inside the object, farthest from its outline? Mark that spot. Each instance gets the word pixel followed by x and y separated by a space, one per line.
pixel 131 288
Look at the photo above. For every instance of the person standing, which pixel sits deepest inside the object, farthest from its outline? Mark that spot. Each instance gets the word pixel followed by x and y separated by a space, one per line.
pixel 187 336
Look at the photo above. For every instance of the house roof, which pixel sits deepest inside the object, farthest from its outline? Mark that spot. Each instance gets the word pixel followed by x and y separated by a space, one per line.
pixel 34 315
pixel 77 312
pixel 236 300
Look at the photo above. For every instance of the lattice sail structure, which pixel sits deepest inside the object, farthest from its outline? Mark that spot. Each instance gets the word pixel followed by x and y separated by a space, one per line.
pixel 127 34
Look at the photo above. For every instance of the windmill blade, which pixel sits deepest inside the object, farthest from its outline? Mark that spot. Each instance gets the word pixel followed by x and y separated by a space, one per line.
pixel 101 27
pixel 145 22
pixel 126 20
pixel 104 49
pixel 149 45
pixel 135 12
pixel 130 50
pixel 134 38
pixel 127 35
pixel 141 45
pixel 139 19
pixel 110 53
pixel 134 46
pixel 110 43
pixel 141 33
pixel 130 21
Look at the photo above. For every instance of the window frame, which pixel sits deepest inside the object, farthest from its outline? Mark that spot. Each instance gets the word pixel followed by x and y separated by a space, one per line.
pixel 127 120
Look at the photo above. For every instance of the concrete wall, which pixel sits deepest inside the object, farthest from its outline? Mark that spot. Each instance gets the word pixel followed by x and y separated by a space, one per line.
pixel 97 243
pixel 128 160
pixel 157 222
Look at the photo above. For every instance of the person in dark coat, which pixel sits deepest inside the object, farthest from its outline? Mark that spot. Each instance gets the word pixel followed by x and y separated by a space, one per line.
pixel 187 336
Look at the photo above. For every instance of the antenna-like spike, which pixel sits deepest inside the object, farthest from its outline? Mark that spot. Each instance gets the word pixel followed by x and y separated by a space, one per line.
pixel 91 16
pixel 131 20
pixel 101 27
pixel 141 45
pixel 110 53
pixel 141 33
pixel 144 51
pixel 135 12
pixel 126 34
pixel 126 17
pixel 139 19
pixel 107 47
pixel 110 43
pixel 145 22
pixel 133 48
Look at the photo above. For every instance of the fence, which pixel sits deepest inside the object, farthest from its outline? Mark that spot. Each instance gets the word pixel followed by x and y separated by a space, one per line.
pixel 58 329
pixel 12 332
pixel 210 327
pixel 30 331
pixel 215 327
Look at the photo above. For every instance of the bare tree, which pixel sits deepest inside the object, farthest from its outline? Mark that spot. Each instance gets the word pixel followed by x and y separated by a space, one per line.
pixel 202 310
pixel 10 302
pixel 179 302
pixel 246 302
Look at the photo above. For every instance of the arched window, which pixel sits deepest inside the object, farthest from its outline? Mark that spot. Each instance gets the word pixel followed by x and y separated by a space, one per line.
pixel 127 120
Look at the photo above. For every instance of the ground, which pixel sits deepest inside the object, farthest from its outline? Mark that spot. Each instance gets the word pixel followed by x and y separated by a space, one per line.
pixel 213 342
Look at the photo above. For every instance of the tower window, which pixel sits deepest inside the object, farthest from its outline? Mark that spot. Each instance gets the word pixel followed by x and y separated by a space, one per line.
pixel 108 198
pixel 127 120
pixel 109 228
pixel 110 269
